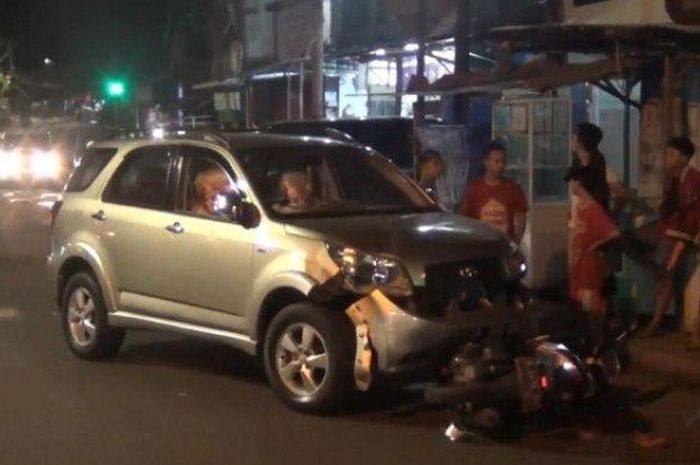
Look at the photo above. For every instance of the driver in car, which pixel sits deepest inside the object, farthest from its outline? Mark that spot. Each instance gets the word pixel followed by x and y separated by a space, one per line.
pixel 297 189
pixel 208 186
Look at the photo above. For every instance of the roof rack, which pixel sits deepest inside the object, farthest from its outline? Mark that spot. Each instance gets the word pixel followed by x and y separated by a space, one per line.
pixel 212 137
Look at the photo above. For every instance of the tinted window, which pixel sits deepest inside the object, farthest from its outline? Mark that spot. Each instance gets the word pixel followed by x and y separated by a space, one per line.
pixel 142 180
pixel 330 181
pixel 89 166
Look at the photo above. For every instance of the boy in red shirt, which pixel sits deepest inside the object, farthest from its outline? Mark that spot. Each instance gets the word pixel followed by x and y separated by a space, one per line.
pixel 679 222
pixel 592 229
pixel 496 199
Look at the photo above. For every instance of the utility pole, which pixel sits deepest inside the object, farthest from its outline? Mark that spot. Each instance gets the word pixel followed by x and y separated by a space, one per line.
pixel 317 74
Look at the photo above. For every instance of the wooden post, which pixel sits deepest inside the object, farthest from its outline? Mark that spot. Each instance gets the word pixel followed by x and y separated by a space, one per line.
pixel 667 99
pixel 627 131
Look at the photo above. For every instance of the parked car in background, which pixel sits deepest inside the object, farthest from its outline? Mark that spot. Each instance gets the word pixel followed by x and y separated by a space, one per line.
pixel 392 137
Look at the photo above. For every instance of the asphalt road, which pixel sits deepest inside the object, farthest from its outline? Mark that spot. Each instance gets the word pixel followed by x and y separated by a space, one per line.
pixel 170 400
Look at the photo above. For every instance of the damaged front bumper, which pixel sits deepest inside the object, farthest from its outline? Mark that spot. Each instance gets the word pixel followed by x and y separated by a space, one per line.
pixel 395 340
pixel 412 347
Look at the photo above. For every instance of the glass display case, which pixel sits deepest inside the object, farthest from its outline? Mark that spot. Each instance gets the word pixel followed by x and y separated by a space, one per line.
pixel 537 134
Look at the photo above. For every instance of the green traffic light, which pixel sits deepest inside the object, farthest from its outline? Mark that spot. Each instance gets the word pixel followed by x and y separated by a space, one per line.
pixel 116 89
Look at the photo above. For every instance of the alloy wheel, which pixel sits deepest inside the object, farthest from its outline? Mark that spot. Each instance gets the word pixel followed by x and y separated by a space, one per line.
pixel 81 317
pixel 302 359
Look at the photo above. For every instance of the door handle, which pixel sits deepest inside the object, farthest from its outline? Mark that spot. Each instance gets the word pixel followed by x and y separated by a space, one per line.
pixel 99 216
pixel 175 228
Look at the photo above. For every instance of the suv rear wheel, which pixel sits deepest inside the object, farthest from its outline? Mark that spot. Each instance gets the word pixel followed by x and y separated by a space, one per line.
pixel 84 318
pixel 309 353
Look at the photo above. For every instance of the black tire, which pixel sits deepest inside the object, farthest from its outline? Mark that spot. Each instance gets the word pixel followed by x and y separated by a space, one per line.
pixel 105 341
pixel 338 335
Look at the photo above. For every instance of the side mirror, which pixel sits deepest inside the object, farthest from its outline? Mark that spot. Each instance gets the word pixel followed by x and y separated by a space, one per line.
pixel 246 214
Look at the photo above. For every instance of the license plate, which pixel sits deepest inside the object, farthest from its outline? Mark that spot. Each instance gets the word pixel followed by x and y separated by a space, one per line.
pixel 529 381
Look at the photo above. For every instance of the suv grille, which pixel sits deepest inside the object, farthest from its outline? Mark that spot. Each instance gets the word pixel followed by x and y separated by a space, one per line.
pixel 463 283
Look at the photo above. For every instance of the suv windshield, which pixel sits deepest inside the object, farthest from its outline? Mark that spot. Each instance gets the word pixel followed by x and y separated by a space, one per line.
pixel 330 181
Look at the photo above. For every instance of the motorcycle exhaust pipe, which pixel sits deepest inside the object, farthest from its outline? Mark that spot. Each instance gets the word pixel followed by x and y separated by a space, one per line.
pixel 503 389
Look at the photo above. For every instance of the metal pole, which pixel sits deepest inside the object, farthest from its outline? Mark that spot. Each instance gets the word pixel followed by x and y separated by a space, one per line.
pixel 420 58
pixel 627 131
pixel 301 90
pixel 462 62
pixel 289 92
pixel 368 100
pixel 398 101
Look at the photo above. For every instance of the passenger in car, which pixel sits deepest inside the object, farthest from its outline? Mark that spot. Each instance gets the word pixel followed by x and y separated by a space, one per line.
pixel 298 193
pixel 207 186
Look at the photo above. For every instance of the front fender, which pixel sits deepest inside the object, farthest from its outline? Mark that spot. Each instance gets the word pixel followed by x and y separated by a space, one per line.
pixel 263 287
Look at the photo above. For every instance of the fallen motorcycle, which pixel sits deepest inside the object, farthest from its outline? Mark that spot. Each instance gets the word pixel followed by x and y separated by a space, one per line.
pixel 504 376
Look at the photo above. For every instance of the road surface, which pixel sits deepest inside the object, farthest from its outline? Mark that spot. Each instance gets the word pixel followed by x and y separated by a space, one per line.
pixel 171 400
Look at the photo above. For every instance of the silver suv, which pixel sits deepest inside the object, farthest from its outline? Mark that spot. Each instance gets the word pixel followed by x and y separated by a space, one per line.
pixel 318 256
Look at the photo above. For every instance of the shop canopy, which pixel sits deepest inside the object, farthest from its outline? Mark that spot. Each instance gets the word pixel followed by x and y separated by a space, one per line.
pixel 538 75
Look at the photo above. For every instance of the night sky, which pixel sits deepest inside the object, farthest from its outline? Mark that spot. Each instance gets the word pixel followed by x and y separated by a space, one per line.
pixel 93 39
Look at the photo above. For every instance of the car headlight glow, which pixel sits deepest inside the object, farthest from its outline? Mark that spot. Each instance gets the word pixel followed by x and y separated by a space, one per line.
pixel 45 165
pixel 365 272
pixel 10 165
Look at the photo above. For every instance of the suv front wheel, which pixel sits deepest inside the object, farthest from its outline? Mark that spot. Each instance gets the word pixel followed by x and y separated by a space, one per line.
pixel 308 354
pixel 84 318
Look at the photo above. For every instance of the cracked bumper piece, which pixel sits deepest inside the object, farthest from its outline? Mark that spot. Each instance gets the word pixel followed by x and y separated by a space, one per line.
pixel 410 347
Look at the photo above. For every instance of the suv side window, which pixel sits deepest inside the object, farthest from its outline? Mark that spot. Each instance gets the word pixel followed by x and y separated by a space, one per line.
pixel 206 185
pixel 143 179
pixel 88 167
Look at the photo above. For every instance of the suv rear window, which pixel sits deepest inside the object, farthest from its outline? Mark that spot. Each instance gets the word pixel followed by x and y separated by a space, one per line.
pixel 90 164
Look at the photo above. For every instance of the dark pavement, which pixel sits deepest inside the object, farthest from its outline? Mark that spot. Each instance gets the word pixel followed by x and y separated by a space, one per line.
pixel 170 400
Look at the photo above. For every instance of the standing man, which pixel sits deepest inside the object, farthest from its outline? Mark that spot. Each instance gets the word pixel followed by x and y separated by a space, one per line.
pixel 678 221
pixel 496 199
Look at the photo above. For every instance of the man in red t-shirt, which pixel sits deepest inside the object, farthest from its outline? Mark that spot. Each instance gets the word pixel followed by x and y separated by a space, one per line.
pixel 496 199
pixel 680 211
pixel 591 229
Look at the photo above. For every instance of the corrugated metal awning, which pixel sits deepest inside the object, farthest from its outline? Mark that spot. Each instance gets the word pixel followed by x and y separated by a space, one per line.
pixel 598 38
pixel 538 75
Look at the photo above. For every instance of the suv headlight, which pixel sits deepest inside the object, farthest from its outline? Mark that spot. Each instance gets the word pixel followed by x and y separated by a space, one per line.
pixel 516 263
pixel 363 272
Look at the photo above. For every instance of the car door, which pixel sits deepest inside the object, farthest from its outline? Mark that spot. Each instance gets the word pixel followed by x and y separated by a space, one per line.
pixel 136 209
pixel 209 259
